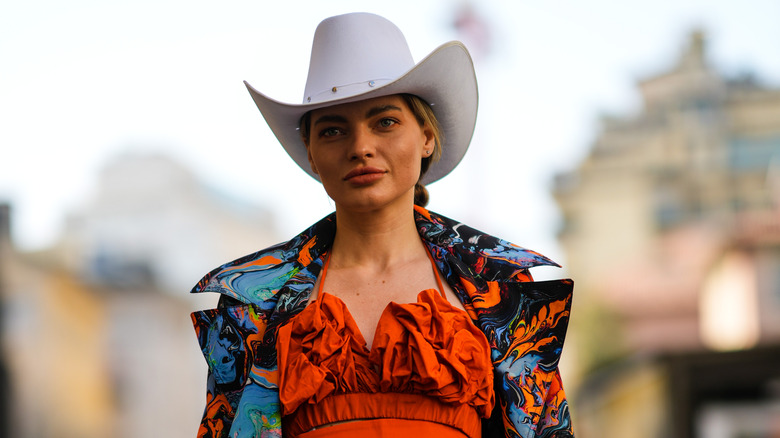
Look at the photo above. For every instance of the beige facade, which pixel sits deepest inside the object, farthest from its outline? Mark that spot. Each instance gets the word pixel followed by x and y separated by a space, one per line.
pixel 97 339
pixel 700 155
pixel 699 151
pixel 670 230
pixel 53 343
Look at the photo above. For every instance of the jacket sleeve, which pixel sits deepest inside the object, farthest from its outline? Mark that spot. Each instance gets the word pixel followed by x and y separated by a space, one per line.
pixel 532 405
pixel 242 398
pixel 555 419
pixel 528 330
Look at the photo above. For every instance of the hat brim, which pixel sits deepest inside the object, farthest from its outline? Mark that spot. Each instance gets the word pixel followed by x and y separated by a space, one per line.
pixel 445 79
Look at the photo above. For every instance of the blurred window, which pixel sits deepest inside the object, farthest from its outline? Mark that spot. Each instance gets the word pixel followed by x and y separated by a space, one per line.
pixel 670 209
pixel 750 154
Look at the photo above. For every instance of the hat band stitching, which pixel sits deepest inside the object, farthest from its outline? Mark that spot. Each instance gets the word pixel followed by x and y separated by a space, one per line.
pixel 370 84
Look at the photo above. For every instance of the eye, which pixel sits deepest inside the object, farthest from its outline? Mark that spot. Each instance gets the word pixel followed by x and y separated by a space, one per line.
pixel 330 131
pixel 386 122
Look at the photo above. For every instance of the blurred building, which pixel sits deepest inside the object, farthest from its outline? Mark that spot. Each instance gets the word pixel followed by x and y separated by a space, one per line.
pixel 53 349
pixel 151 219
pixel 96 335
pixel 671 229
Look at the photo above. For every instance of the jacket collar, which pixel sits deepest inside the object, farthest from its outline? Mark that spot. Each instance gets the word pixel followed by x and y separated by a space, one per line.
pixel 458 250
pixel 446 237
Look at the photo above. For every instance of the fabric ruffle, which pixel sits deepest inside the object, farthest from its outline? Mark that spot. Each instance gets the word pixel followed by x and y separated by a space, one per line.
pixel 322 352
pixel 429 347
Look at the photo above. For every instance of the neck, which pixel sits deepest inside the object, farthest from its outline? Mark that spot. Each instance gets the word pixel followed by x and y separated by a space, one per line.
pixel 377 238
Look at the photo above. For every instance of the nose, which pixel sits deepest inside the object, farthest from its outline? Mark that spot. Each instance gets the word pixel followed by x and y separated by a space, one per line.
pixel 362 145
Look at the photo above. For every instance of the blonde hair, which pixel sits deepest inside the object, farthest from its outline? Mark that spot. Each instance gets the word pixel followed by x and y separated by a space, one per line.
pixel 424 114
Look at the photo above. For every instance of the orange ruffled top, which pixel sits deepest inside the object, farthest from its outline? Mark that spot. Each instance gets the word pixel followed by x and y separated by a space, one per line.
pixel 428 371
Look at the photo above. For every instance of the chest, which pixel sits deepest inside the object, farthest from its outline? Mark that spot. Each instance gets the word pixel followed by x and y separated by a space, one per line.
pixel 367 294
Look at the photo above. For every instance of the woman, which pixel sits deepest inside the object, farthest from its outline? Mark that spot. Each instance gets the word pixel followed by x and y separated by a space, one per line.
pixel 383 318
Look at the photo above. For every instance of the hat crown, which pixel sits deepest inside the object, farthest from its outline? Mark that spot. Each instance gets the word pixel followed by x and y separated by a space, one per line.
pixel 353 53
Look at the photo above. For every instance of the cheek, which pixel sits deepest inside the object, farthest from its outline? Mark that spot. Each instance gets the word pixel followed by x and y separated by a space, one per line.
pixel 327 171
pixel 311 161
pixel 318 161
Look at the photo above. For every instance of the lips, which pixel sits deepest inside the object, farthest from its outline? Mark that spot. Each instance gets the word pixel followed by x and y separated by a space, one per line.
pixel 363 173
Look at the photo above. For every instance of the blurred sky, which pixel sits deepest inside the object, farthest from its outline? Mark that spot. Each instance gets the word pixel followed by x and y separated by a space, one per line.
pixel 84 81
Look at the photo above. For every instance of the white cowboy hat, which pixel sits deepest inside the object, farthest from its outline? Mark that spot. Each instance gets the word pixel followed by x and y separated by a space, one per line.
pixel 360 56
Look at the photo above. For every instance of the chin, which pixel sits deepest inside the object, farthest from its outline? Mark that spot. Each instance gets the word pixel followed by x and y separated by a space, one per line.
pixel 370 203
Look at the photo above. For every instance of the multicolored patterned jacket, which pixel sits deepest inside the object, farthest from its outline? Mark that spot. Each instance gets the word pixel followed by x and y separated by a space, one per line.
pixel 525 323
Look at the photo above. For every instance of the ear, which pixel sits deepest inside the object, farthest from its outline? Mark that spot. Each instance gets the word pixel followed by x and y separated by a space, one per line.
pixel 430 141
pixel 311 162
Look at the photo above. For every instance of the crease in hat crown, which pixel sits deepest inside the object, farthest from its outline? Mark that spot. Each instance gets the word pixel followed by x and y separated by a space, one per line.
pixel 368 49
pixel 359 56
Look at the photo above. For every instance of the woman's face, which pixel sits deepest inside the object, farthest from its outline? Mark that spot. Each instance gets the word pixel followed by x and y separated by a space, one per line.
pixel 368 153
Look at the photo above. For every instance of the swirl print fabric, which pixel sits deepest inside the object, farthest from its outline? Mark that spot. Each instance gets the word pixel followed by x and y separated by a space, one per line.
pixel 524 321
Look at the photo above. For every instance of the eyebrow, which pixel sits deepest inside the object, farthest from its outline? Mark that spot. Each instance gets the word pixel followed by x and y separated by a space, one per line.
pixel 329 119
pixel 380 109
pixel 332 118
